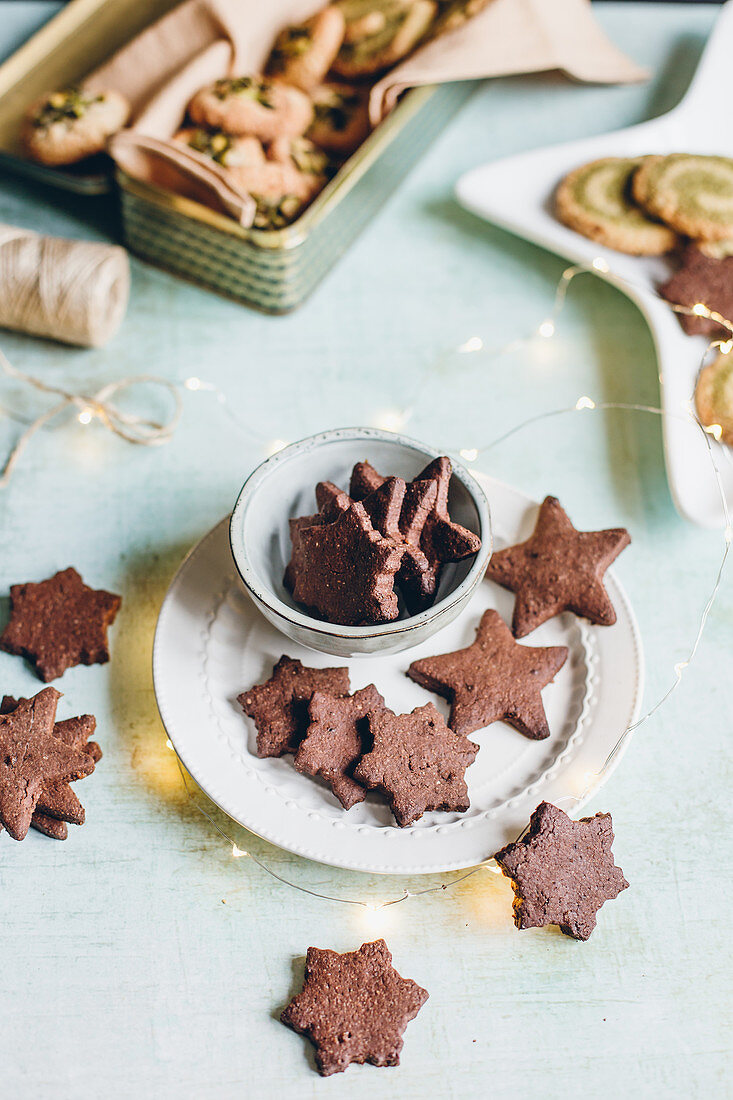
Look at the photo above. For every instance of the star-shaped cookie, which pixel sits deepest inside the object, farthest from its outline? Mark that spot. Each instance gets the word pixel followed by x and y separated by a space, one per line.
pixel 558 569
pixel 348 570
pixel 279 707
pixel 30 757
pixel 425 523
pixel 494 678
pixel 562 871
pixel 354 1007
pixel 417 762
pixel 333 744
pixel 705 279
pixel 59 623
pixel 57 801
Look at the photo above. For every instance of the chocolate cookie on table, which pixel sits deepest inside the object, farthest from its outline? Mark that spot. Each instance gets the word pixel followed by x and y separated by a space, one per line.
pixel 417 762
pixel 341 121
pixel 347 571
pixel 279 707
pixel 68 126
pixel 31 758
pixel 494 678
pixel 254 106
pixel 302 55
pixel 692 194
pixel 57 802
pixel 58 623
pixel 714 396
pixel 354 1007
pixel 335 738
pixel 596 200
pixel 562 871
pixel 558 569
pixel 379 33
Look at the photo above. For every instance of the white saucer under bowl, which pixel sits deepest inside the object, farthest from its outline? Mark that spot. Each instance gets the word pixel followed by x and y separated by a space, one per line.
pixel 212 643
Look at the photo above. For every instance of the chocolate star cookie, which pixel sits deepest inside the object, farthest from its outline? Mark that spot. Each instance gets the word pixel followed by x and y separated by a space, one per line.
pixel 333 743
pixel 57 801
pixel 558 569
pixel 279 707
pixel 59 623
pixel 425 523
pixel 417 762
pixel 493 679
pixel 30 756
pixel 703 279
pixel 562 871
pixel 348 570
pixel 331 502
pixel 354 1007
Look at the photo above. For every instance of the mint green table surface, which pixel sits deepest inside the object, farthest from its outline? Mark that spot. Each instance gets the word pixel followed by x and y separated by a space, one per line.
pixel 138 959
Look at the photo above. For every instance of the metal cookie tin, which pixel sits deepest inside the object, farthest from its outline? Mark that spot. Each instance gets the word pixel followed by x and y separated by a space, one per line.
pixel 273 270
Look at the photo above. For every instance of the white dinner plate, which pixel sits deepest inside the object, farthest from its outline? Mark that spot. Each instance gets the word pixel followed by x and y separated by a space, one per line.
pixel 516 194
pixel 212 643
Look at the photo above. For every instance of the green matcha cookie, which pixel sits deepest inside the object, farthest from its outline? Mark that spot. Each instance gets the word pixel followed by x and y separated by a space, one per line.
pixel 692 194
pixel 596 201
pixel 714 396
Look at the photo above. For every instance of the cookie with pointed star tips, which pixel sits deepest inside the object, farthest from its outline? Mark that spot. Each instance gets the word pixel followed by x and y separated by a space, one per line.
pixel 706 279
pixel 417 762
pixel 59 623
pixel 279 707
pixel 348 570
pixel 562 871
pixel 493 679
pixel 57 801
pixel 558 569
pixel 331 503
pixel 31 756
pixel 426 524
pixel 354 1007
pixel 333 743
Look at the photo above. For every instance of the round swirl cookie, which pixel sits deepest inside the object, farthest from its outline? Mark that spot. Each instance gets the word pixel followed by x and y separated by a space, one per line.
pixel 302 55
pixel 379 33
pixel 341 120
pixel 692 194
pixel 714 396
pixel 595 200
pixel 68 126
pixel 254 106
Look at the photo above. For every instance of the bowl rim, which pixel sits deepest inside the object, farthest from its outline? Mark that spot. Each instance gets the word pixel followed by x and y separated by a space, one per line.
pixel 265 595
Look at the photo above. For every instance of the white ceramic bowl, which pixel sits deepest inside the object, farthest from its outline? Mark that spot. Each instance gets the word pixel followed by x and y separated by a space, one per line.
pixel 284 487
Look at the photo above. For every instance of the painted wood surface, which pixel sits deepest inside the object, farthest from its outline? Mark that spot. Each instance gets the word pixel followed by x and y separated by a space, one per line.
pixel 139 958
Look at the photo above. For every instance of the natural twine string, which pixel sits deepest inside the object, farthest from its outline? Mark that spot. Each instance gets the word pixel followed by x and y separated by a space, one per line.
pixel 134 429
pixel 72 291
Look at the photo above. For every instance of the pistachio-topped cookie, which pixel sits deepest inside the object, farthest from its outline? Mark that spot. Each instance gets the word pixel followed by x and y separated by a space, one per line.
pixel 252 105
pixel 452 14
pixel 341 120
pixel 229 150
pixel 714 396
pixel 379 33
pixel 692 194
pixel 596 200
pixel 302 55
pixel 304 154
pixel 67 126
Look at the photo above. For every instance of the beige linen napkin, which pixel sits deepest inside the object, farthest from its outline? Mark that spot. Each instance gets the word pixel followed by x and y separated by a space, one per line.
pixel 202 40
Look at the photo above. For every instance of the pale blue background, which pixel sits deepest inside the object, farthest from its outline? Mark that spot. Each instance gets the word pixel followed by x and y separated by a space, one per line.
pixel 139 959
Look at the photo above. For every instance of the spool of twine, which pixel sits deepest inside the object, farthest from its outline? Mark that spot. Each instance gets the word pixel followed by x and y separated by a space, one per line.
pixel 72 291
